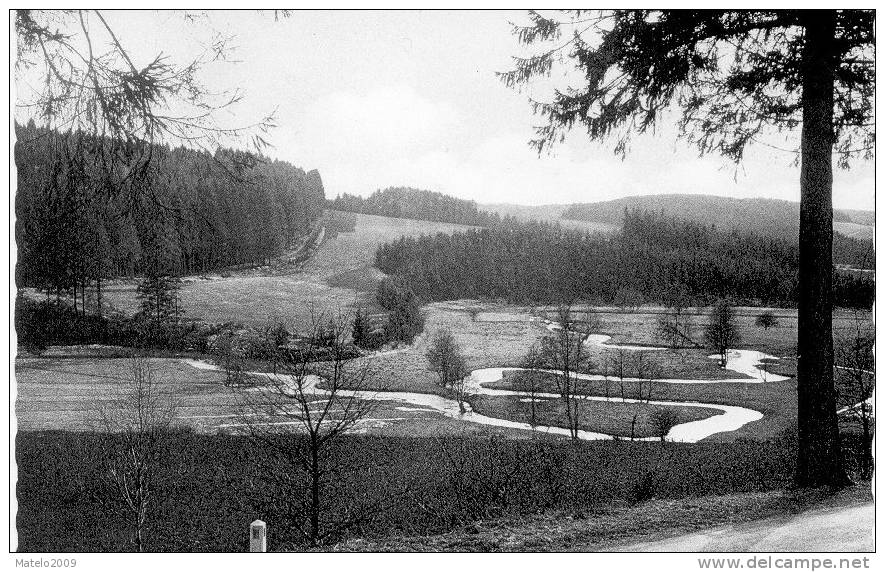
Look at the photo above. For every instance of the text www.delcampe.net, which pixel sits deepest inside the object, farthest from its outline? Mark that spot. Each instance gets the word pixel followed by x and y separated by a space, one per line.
pixel 784 563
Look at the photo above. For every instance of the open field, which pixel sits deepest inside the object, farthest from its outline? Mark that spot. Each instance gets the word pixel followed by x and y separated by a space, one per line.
pixel 58 392
pixel 613 418
pixel 70 393
pixel 338 276
pixel 776 401
pixel 638 326
pixel 855 230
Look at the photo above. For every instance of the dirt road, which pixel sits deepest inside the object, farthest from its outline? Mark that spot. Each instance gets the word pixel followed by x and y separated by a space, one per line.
pixel 849 529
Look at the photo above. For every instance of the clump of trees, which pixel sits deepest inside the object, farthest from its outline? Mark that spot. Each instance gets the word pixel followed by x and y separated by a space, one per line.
pixel 446 360
pixel 404 319
pixel 563 350
pixel 722 332
pixel 653 258
pixel 368 333
pixel 52 321
pixel 406 202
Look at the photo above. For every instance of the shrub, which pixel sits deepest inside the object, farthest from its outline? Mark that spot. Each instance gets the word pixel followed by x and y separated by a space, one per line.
pixel 455 479
pixel 766 320
pixel 663 420
pixel 47 322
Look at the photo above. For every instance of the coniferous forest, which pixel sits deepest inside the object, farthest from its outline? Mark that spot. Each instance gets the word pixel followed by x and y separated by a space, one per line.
pixel 406 202
pixel 652 257
pixel 197 212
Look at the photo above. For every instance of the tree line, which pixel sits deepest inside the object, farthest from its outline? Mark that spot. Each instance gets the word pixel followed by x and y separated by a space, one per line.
pixel 196 212
pixel 769 217
pixel 653 255
pixel 406 202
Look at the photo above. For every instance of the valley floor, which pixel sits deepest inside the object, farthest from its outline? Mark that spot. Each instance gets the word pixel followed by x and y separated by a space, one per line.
pixel 66 388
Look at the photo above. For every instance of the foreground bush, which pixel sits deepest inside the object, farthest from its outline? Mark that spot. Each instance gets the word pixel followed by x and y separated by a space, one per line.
pixel 427 485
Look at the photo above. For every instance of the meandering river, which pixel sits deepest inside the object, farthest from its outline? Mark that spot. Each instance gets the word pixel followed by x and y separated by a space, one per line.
pixel 731 418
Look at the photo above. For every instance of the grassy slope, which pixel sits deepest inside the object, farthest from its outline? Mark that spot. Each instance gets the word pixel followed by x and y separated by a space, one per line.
pixel 338 276
pixel 855 230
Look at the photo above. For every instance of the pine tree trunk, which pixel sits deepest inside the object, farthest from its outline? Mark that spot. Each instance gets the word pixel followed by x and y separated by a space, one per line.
pixel 818 460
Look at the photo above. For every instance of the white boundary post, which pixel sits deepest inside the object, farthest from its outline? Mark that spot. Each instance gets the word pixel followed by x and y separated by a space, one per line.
pixel 258 536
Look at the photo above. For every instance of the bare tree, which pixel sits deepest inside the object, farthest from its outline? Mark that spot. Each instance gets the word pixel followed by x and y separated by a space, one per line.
pixel 137 426
pixel 528 383
pixel 856 375
pixel 676 325
pixel 229 347
pixel 447 361
pixel 296 421
pixel 617 366
pixel 639 390
pixel 563 350
pixel 722 331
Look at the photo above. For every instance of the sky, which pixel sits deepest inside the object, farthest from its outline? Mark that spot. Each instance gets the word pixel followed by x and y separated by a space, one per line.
pixel 375 99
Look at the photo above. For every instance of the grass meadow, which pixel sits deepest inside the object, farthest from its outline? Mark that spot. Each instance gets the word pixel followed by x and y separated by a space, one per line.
pixel 338 276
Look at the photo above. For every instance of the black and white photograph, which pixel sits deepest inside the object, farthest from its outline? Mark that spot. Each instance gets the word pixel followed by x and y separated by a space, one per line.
pixel 597 282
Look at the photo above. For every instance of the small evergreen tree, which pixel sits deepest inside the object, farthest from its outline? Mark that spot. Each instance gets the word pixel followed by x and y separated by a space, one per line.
pixel 158 299
pixel 360 328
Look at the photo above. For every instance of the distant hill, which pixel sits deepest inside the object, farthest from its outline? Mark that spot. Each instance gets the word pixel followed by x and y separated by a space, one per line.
pixel 418 204
pixel 769 217
pixel 526 212
pixel 867 218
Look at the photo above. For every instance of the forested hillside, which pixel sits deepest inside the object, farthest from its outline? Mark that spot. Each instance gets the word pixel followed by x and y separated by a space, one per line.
pixel 406 202
pixel 526 212
pixel 195 212
pixel 651 258
pixel 768 217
